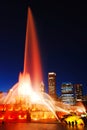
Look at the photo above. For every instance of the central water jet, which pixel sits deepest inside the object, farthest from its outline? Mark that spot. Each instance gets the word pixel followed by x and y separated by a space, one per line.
pixel 32 60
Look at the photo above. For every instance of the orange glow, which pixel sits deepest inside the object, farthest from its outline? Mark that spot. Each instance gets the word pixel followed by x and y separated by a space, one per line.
pixel 1 108
pixel 22 117
pixel 42 115
pixel 17 109
pixel 10 109
pixel 1 117
pixel 10 117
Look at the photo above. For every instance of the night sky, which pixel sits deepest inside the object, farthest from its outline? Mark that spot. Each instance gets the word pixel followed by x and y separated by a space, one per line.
pixel 62 33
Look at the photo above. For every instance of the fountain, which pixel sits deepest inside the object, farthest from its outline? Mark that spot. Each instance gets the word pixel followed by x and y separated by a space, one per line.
pixel 25 101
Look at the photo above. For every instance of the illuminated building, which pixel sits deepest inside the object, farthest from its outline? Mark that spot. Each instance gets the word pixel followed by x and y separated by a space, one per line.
pixel 78 92
pixel 52 84
pixel 67 94
pixel 42 87
pixel 85 100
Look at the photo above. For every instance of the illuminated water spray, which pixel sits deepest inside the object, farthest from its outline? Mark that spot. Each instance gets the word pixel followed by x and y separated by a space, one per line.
pixel 31 77
pixel 27 89
pixel 32 62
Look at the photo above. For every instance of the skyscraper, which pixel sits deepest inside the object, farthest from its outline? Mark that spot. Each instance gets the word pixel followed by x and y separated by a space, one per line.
pixel 67 93
pixel 52 84
pixel 78 92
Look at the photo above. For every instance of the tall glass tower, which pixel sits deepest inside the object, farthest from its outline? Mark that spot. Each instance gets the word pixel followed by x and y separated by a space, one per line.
pixel 78 92
pixel 52 84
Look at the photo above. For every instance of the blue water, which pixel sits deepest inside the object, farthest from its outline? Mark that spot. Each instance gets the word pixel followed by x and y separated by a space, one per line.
pixel 38 126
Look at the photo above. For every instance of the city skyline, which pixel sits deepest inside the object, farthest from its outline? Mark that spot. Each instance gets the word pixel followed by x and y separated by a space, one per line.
pixel 62 40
